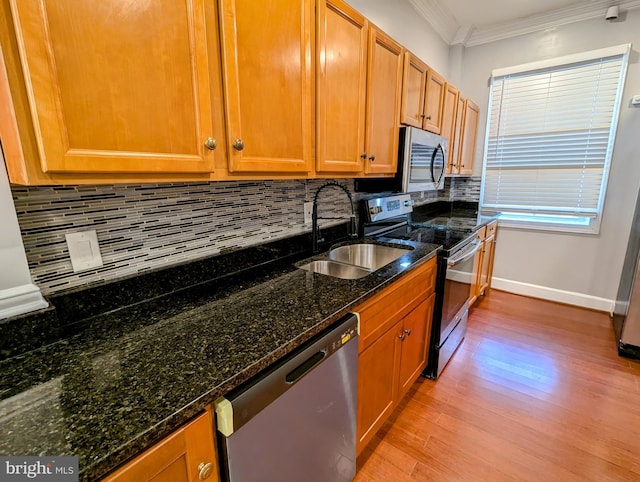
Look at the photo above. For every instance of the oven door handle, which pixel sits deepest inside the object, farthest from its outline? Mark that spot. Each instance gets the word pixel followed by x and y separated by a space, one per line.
pixel 467 254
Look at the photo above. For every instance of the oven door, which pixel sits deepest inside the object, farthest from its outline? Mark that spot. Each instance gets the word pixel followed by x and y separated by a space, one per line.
pixel 457 286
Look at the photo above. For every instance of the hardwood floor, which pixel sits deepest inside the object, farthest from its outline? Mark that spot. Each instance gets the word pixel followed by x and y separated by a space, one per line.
pixel 535 392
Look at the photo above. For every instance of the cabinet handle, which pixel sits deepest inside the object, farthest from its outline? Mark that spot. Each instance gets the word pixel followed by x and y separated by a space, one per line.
pixel 372 157
pixel 428 117
pixel 205 470
pixel 408 332
pixel 402 336
pixel 211 143
pixel 238 144
pixel 363 155
pixel 423 115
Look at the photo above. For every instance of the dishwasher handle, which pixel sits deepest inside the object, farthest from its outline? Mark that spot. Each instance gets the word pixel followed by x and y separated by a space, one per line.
pixel 241 405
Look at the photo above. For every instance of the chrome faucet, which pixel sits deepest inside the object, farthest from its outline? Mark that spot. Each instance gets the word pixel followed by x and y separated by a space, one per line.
pixel 315 236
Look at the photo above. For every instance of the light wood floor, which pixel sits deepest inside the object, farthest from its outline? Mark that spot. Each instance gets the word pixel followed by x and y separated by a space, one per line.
pixel 536 392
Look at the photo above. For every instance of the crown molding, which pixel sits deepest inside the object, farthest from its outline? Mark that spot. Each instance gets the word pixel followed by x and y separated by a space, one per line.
pixel 543 21
pixel 439 17
pixel 444 23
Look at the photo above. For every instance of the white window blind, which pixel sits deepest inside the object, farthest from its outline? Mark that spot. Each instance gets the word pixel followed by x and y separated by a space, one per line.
pixel 550 139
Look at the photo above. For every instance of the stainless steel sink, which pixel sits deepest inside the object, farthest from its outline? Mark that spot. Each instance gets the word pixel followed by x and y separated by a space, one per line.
pixel 367 256
pixel 337 270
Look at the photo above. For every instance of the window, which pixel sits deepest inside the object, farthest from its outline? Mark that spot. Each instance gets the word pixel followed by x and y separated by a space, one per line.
pixel 550 137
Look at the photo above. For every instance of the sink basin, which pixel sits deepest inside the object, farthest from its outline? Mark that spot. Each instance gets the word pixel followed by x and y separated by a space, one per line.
pixel 367 256
pixel 337 270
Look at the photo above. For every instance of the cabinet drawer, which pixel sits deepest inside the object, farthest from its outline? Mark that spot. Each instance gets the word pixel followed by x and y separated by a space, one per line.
pixel 383 310
pixel 491 229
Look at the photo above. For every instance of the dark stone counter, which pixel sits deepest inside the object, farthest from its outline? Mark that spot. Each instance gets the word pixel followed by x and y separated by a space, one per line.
pixel 122 378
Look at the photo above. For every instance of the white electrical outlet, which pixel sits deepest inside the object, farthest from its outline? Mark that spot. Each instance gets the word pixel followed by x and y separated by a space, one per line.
pixel 308 213
pixel 84 250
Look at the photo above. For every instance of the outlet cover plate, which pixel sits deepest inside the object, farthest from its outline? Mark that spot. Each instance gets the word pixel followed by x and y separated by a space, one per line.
pixel 308 213
pixel 84 250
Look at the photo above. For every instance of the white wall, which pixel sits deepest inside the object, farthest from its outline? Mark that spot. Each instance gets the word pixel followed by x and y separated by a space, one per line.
pixel 588 267
pixel 17 294
pixel 399 20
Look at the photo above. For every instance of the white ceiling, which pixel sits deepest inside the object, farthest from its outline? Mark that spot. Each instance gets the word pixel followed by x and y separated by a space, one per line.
pixel 473 22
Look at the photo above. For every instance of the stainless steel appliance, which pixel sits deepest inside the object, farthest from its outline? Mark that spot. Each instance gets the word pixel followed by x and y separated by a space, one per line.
pixel 626 314
pixel 297 420
pixel 390 217
pixel 421 164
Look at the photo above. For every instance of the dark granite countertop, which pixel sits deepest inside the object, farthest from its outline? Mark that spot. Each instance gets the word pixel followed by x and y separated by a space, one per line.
pixel 119 381
pixel 457 215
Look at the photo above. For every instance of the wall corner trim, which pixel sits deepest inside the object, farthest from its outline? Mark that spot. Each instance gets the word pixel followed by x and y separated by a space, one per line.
pixel 553 294
pixel 19 300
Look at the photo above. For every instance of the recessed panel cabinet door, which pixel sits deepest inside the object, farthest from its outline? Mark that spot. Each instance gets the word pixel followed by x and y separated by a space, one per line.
pixel 384 85
pixel 469 137
pixel 416 333
pixel 377 384
pixel 341 87
pixel 414 87
pixel 433 102
pixel 449 109
pixel 117 86
pixel 267 67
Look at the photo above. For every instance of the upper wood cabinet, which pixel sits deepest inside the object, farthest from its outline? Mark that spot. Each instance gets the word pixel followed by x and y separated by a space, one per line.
pixel 414 89
pixel 110 89
pixel 341 87
pixel 469 133
pixel 358 93
pixel 268 81
pixel 187 455
pixel 449 110
pixel 433 102
pixel 384 85
pixel 423 91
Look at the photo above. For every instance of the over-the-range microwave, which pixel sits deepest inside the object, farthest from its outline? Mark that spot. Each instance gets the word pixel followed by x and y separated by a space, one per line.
pixel 421 164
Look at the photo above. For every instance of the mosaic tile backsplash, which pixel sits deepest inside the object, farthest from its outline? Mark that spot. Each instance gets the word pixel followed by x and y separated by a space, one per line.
pixel 147 226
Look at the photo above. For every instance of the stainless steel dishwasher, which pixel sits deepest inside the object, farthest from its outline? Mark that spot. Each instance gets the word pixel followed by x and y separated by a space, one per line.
pixel 296 420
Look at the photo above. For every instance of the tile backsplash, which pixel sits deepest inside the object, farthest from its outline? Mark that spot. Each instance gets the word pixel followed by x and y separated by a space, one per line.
pixel 147 226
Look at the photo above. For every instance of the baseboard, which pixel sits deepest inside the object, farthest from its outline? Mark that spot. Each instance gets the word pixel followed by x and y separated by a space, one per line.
pixel 552 294
pixel 21 299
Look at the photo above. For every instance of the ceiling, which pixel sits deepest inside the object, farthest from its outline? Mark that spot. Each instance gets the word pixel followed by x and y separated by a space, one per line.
pixel 473 22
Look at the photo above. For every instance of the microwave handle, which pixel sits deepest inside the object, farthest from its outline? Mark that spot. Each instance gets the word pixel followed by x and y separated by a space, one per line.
pixel 433 161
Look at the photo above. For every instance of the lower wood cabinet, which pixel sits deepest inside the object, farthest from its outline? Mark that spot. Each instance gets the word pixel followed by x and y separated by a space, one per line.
pixel 483 263
pixel 395 328
pixel 187 455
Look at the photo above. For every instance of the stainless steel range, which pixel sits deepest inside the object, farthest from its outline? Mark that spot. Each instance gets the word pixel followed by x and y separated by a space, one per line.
pixel 390 217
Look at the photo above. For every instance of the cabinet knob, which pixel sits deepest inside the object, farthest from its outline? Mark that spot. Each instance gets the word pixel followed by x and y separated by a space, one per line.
pixel 238 144
pixel 363 155
pixel 408 332
pixel 428 117
pixel 205 470
pixel 211 143
pixel 402 336
pixel 372 157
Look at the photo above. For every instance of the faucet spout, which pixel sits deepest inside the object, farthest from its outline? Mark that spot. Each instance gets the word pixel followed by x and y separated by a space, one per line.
pixel 315 230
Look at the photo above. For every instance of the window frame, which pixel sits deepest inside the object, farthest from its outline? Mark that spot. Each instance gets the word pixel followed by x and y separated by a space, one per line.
pixel 544 221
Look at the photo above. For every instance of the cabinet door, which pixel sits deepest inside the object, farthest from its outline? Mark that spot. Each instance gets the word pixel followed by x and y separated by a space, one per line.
pixel 414 88
pixel 474 289
pixel 449 109
pixel 416 331
pixel 377 383
pixel 484 280
pixel 187 455
pixel 384 83
pixel 341 87
pixel 469 136
pixel 267 66
pixel 117 87
pixel 433 102
pixel 458 131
